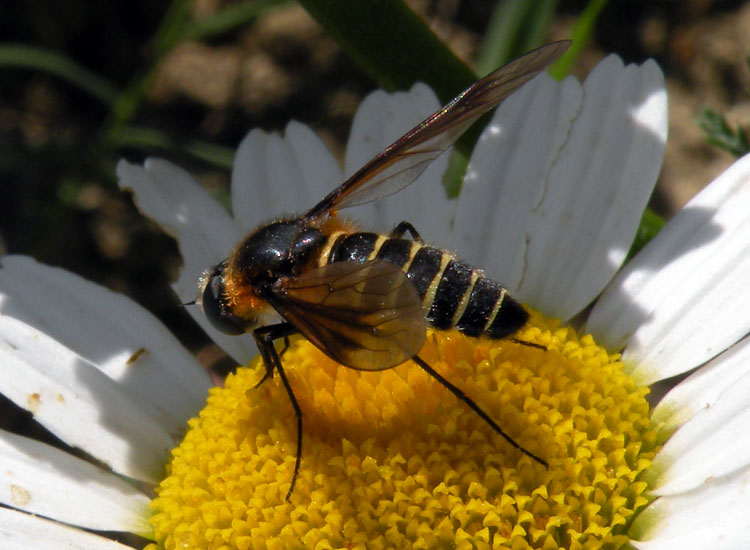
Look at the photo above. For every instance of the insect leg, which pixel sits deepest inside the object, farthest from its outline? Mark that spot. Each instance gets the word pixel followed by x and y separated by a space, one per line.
pixel 525 343
pixel 268 335
pixel 286 346
pixel 474 407
pixel 265 338
pixel 406 227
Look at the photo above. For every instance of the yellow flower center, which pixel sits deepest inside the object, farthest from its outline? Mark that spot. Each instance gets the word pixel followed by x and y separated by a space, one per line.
pixel 391 459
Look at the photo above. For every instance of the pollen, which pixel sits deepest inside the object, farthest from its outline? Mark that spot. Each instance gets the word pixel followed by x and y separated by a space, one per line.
pixel 393 460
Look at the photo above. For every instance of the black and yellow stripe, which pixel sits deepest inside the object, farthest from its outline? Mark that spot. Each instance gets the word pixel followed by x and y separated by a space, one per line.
pixel 453 293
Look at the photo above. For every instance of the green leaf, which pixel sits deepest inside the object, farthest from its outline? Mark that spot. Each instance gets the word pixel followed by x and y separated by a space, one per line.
pixel 720 133
pixel 651 224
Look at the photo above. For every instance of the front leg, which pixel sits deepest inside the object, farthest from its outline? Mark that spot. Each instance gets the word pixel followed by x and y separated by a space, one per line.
pixel 265 338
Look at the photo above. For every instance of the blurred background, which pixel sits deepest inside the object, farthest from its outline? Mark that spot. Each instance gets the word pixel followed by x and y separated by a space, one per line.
pixel 83 84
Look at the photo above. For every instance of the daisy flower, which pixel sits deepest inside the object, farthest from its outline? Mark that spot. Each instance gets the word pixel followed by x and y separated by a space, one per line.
pixel 551 201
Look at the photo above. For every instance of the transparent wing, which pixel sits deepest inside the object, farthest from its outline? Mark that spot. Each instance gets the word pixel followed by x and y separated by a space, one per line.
pixel 365 315
pixel 403 161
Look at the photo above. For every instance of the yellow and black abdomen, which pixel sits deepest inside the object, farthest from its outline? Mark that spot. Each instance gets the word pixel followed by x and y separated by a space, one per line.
pixel 453 293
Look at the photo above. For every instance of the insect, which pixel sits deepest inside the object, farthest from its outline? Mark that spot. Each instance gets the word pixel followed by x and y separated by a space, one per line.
pixel 365 299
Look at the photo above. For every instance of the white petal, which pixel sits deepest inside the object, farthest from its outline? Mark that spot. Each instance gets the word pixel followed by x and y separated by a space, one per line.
pixel 684 298
pixel 701 390
pixel 714 516
pixel 276 176
pixel 79 404
pixel 204 231
pixel 380 120
pixel 506 175
pixel 44 480
pixel 172 198
pixel 126 342
pixel 558 182
pixel 19 531
pixel 713 443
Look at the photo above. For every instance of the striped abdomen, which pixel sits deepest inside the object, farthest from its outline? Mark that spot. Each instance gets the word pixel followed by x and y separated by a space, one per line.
pixel 453 293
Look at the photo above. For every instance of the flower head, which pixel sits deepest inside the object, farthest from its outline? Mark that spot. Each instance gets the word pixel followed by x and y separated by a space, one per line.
pixel 392 461
pixel 550 203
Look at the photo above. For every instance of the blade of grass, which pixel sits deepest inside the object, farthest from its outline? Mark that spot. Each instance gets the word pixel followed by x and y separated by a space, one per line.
pixel 175 27
pixel 150 139
pixel 536 26
pixel 392 44
pixel 396 48
pixel 515 27
pixel 498 43
pixel 228 18
pixel 48 61
pixel 166 36
pixel 582 31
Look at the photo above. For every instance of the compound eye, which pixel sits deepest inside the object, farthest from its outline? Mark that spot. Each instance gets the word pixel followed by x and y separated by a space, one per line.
pixel 215 306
